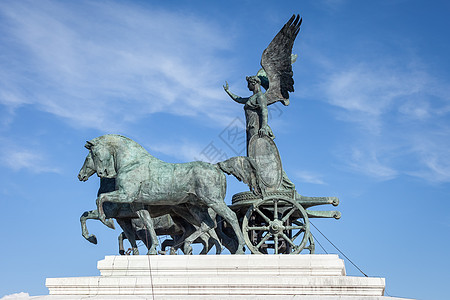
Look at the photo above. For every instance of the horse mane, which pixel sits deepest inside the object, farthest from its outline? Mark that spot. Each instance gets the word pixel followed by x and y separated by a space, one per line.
pixel 116 140
pixel 109 138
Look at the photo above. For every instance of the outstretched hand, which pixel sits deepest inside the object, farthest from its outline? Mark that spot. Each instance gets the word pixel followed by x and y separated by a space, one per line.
pixel 226 87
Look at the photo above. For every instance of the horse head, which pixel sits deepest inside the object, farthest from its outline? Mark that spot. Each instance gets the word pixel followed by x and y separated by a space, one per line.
pixel 88 168
pixel 103 158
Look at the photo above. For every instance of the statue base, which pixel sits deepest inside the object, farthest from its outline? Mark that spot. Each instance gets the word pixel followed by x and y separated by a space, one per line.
pixel 219 277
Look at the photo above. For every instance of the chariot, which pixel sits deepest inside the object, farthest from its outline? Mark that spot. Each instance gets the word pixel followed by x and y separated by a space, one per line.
pixel 277 220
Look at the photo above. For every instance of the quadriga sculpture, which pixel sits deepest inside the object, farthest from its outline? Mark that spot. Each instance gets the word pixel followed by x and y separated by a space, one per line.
pixel 150 185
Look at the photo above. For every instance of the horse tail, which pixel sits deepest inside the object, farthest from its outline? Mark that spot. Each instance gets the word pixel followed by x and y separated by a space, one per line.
pixel 244 169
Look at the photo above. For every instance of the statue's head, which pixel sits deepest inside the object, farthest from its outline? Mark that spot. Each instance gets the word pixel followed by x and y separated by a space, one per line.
pixel 253 82
pixel 102 157
pixel 88 168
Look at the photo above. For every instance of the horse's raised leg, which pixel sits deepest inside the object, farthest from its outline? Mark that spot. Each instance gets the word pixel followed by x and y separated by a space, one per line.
pixel 145 217
pixel 115 197
pixel 92 214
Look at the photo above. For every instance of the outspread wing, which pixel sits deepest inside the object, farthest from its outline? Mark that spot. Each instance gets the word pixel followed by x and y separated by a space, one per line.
pixel 263 76
pixel 276 62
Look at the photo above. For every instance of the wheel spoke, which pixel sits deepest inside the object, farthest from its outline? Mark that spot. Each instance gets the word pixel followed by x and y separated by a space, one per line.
pixel 275 209
pixel 297 222
pixel 276 243
pixel 289 214
pixel 262 215
pixel 264 239
pixel 258 227
pixel 294 227
pixel 297 234
pixel 288 240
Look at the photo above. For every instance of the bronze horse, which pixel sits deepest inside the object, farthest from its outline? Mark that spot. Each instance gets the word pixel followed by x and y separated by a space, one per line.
pixel 180 230
pixel 149 184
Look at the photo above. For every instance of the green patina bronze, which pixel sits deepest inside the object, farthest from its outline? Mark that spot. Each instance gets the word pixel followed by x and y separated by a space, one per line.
pixel 149 197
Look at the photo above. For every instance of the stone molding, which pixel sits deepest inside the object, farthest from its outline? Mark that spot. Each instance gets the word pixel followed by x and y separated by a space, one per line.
pixel 317 276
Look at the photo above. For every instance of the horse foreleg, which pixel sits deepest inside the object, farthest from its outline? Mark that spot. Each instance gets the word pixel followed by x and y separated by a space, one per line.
pixel 212 233
pixel 225 212
pixel 145 217
pixel 203 217
pixel 209 239
pixel 204 239
pixel 144 237
pixel 218 246
pixel 130 234
pixel 187 249
pixel 226 235
pixel 167 243
pixel 92 214
pixel 179 240
pixel 215 241
pixel 115 197
pixel 122 236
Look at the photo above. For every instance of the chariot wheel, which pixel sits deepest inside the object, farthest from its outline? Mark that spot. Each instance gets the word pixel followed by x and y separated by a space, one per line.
pixel 276 225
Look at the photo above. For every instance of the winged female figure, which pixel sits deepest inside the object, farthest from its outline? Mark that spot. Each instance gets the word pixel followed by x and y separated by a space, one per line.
pixel 276 77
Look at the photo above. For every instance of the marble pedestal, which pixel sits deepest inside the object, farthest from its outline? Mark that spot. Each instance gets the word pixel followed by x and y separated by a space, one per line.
pixel 219 277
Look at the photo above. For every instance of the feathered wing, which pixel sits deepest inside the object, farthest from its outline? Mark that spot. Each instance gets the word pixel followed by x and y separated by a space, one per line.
pixel 263 76
pixel 276 62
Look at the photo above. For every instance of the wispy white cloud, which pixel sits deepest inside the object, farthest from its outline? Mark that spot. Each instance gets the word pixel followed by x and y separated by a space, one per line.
pixel 115 65
pixel 434 156
pixel 399 110
pixel 366 160
pixel 184 150
pixel 366 92
pixel 20 158
pixel 309 177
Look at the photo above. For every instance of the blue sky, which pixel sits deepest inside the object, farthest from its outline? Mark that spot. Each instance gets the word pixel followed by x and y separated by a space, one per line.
pixel 369 121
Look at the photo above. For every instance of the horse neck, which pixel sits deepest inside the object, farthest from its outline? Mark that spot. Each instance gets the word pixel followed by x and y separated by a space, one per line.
pixel 130 154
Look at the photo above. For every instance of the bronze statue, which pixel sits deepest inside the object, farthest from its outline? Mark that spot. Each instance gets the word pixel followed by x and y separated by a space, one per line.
pixel 275 76
pixel 270 218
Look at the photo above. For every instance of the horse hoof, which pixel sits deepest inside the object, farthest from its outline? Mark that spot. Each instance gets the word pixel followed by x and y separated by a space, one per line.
pixel 92 239
pixel 135 251
pixel 187 250
pixel 152 251
pixel 240 251
pixel 110 223
pixel 122 252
